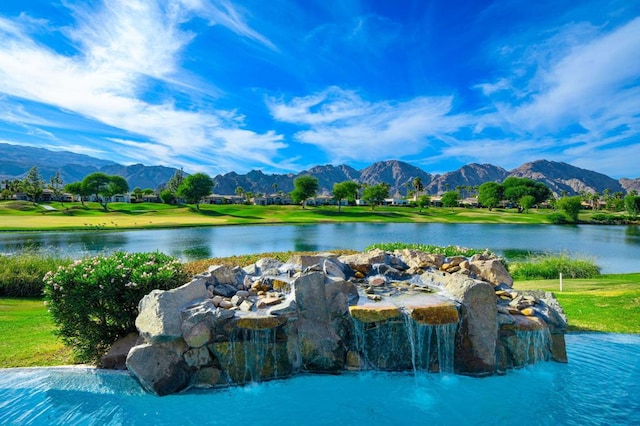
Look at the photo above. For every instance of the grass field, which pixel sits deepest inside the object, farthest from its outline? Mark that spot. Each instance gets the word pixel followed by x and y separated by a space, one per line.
pixel 26 335
pixel 609 303
pixel 18 216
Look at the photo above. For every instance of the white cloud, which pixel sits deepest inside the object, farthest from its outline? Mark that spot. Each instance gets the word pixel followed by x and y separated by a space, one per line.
pixel 350 128
pixel 122 45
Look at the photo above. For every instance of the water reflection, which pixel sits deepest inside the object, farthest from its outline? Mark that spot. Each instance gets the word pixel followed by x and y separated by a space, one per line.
pixel 632 234
pixel 614 248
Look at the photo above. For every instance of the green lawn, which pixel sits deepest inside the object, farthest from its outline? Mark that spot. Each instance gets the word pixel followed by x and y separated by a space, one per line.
pixel 17 216
pixel 609 303
pixel 26 335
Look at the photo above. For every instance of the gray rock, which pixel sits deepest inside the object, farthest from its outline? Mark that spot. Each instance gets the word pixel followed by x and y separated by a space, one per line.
pixel 361 262
pixel 159 319
pixel 479 326
pixel 159 368
pixel 246 305
pixel 334 268
pixel 224 290
pixel 266 264
pixel 198 357
pixel 420 260
pixel 223 274
pixel 116 357
pixel 323 324
pixel 492 271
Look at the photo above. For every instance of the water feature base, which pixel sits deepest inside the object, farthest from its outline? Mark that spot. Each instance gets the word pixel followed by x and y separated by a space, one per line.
pixel 405 310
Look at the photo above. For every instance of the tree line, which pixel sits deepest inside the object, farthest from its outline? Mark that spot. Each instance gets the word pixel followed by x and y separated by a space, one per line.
pixel 522 193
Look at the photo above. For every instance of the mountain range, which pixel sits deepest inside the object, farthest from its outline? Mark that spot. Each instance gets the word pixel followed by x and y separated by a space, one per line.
pixel 16 160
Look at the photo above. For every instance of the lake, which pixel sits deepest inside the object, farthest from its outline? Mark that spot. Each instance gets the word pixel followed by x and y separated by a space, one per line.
pixel 615 248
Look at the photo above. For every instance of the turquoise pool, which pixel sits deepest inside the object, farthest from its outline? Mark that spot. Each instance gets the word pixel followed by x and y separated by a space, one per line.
pixel 599 386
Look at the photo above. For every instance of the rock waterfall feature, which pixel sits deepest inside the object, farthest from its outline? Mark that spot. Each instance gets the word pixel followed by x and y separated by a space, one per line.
pixel 402 310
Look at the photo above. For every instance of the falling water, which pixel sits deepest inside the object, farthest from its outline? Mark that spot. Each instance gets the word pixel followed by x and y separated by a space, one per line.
pixel 403 344
pixel 251 355
pixel 532 346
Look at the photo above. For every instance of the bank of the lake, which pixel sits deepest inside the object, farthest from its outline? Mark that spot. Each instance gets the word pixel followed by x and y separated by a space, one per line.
pixel 24 216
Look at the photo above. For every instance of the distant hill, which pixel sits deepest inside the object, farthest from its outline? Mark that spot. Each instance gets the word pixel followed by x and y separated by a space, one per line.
pixel 469 175
pixel 630 184
pixel 16 160
pixel 563 177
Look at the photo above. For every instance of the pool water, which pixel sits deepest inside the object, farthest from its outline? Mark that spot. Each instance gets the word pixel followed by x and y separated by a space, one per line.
pixel 599 386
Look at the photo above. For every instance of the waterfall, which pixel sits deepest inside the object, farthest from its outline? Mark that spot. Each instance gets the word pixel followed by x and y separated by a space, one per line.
pixel 532 346
pixel 404 344
pixel 251 355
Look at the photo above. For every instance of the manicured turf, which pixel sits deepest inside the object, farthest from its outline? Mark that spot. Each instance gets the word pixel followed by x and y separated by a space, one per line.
pixel 25 216
pixel 26 335
pixel 609 303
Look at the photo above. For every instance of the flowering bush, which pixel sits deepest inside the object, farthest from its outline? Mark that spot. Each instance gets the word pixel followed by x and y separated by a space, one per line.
pixel 94 301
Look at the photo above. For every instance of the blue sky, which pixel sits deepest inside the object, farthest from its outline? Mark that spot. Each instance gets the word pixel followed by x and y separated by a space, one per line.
pixel 283 85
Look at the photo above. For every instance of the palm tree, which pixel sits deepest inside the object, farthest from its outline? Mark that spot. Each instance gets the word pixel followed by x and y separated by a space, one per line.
pixel 417 184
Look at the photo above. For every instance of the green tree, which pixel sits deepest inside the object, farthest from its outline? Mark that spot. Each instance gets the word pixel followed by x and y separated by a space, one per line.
pixel 56 186
pixel 450 199
pixel 423 202
pixel 137 193
pixel 632 205
pixel 175 181
pixel 515 188
pixel 375 194
pixel 167 196
pixel 32 184
pixel 240 192
pixel 76 188
pixel 527 202
pixel 417 185
pixel 304 187
pixel 490 194
pixel 194 187
pixel 104 186
pixel 345 190
pixel 571 206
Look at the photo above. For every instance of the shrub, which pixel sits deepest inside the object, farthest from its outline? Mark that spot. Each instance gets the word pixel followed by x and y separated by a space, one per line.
pixel 558 218
pixel 607 218
pixel 21 274
pixel 550 266
pixel 94 301
pixel 429 248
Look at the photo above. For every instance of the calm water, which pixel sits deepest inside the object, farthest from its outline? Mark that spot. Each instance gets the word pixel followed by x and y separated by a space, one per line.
pixel 599 386
pixel 614 248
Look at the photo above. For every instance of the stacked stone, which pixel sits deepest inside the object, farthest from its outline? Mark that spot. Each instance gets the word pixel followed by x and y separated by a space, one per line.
pixel 273 319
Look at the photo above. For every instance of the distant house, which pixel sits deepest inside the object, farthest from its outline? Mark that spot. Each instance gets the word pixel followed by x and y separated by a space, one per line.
pixel 151 198
pixel 396 202
pixel 469 202
pixel 321 200
pixel 223 199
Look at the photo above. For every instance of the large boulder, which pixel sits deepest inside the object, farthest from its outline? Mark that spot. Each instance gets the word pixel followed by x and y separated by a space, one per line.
pixel 417 259
pixel 323 324
pixel 478 332
pixel 492 271
pixel 361 262
pixel 159 318
pixel 116 357
pixel 160 368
